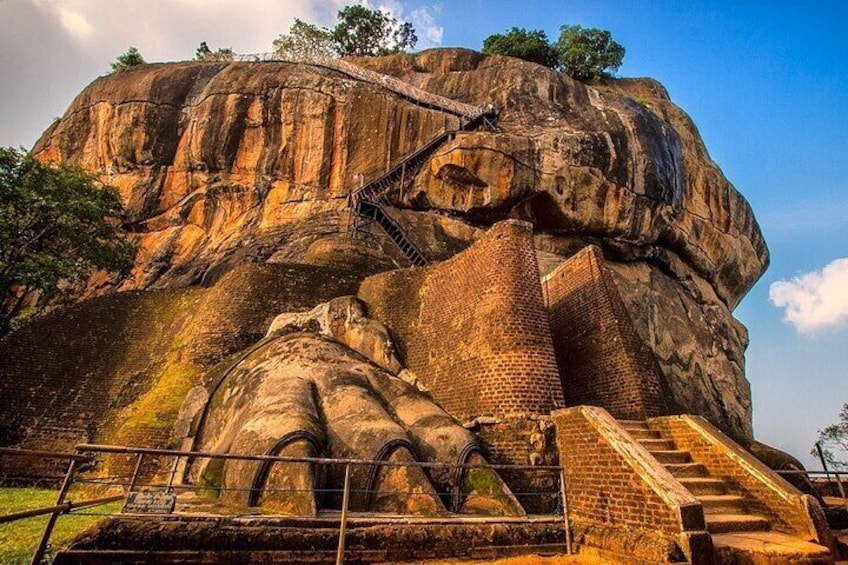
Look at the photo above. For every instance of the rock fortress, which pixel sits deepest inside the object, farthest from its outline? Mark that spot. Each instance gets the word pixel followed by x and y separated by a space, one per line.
pixel 450 302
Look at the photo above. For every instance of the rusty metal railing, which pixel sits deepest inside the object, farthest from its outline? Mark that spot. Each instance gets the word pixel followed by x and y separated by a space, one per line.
pixel 86 455
pixel 826 483
pixel 397 86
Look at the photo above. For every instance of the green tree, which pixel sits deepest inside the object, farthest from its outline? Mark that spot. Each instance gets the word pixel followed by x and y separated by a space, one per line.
pixel 364 32
pixel 203 53
pixel 130 58
pixel 56 227
pixel 587 54
pixel 834 442
pixel 531 46
pixel 305 41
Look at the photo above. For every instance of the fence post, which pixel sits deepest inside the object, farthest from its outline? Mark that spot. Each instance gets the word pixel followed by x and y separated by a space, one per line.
pixel 343 522
pixel 136 472
pixel 173 474
pixel 564 495
pixel 823 460
pixel 841 489
pixel 51 523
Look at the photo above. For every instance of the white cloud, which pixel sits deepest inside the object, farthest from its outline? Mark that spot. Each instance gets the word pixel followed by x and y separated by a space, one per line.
pixel 814 301
pixel 75 23
pixel 424 21
pixel 50 49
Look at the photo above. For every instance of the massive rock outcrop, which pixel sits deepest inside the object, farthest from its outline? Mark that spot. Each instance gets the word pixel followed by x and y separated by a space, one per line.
pixel 223 163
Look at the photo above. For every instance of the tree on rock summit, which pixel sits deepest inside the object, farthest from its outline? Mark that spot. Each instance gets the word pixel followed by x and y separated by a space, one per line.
pixel 305 41
pixel 130 58
pixel 531 46
pixel 360 32
pixel 204 53
pixel 582 53
pixel 588 53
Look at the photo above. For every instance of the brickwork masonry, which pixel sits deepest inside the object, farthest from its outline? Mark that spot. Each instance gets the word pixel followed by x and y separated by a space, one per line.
pixel 601 359
pixel 474 328
pixel 765 492
pixel 620 498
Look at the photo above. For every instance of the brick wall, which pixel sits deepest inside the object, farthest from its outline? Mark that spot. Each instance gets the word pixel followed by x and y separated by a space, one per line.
pixel 765 492
pixel 600 356
pixel 508 442
pixel 614 486
pixel 474 328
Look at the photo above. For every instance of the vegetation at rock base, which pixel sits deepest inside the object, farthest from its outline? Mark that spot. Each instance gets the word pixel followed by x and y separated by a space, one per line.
pixel 834 442
pixel 582 53
pixel 360 31
pixel 531 46
pixel 204 53
pixel 56 227
pixel 18 539
pixel 130 58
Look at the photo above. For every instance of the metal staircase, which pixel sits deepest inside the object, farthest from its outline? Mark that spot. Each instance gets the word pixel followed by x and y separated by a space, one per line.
pixel 371 201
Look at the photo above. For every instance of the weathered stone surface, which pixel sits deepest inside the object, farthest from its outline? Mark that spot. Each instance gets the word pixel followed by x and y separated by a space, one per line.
pixel 697 342
pixel 130 368
pixel 301 388
pixel 273 540
pixel 211 157
pixel 225 163
pixel 344 320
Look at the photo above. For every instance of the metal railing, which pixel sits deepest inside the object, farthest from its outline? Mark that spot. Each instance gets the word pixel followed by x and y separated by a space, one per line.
pixel 376 192
pixel 831 484
pixel 397 86
pixel 157 470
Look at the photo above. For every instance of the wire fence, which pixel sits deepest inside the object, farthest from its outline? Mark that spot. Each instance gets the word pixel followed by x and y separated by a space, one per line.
pixel 154 481
pixel 831 487
pixel 402 88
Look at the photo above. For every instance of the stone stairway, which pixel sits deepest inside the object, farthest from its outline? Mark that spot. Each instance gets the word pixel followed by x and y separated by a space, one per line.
pixel 739 535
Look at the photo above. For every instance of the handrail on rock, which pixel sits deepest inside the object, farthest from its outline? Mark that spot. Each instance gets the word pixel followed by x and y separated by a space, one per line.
pixel 369 200
pixel 398 86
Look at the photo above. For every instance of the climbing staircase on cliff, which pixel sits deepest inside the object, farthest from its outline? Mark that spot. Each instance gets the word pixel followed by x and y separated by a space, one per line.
pixel 371 202
pixel 734 527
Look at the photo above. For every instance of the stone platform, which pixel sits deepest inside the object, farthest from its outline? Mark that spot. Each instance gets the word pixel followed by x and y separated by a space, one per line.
pixel 217 540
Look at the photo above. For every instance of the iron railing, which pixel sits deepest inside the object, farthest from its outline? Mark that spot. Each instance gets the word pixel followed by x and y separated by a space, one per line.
pixel 163 478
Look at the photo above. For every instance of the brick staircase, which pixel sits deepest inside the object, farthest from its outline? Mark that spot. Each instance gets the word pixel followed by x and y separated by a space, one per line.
pixel 739 534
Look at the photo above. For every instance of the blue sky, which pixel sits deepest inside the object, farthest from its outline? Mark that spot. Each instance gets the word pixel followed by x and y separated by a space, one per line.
pixel 766 83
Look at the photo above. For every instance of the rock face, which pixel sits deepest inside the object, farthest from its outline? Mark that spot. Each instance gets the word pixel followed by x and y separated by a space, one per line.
pixel 221 164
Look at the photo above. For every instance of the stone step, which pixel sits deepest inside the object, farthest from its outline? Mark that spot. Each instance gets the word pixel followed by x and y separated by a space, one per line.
pixel 634 424
pixel 722 503
pixel 657 444
pixel 727 523
pixel 700 486
pixel 640 434
pixel 768 548
pixel 681 470
pixel 671 456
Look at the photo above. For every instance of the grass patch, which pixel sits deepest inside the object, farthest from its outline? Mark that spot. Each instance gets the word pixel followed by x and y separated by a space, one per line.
pixel 18 539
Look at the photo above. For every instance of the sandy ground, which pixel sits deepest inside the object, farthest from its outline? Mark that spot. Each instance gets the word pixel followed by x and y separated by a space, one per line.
pixel 523 560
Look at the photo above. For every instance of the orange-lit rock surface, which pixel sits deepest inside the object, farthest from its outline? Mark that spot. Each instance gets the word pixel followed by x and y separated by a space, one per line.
pixel 225 163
